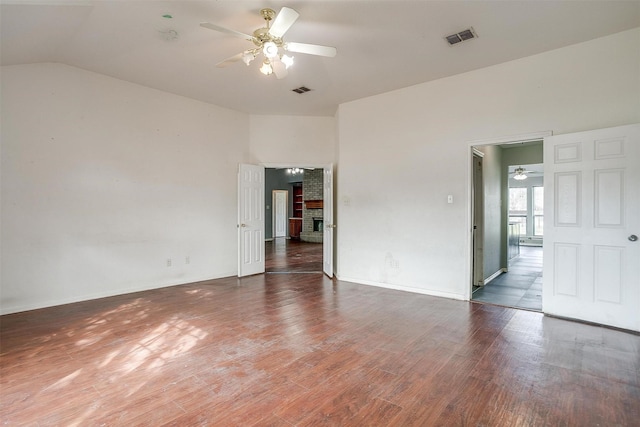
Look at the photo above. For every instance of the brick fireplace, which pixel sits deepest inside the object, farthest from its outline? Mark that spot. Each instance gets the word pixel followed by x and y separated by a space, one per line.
pixel 312 194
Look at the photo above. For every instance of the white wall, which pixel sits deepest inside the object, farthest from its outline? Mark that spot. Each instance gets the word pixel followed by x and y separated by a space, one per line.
pixel 103 181
pixel 293 140
pixel 401 154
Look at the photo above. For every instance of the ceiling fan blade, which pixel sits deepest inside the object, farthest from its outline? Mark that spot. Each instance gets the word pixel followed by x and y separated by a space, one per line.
pixel 279 69
pixel 230 60
pixel 285 19
pixel 225 30
pixel 311 49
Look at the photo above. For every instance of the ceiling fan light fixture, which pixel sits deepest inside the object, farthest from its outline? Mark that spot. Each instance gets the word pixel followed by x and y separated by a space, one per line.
pixel 270 50
pixel 519 174
pixel 287 60
pixel 248 56
pixel 268 40
pixel 266 68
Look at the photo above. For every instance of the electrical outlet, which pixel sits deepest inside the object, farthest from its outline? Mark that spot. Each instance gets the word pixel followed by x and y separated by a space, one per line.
pixel 168 262
pixel 187 260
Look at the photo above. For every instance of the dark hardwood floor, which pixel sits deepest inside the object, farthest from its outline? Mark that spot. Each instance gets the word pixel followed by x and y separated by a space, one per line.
pixel 301 350
pixel 291 256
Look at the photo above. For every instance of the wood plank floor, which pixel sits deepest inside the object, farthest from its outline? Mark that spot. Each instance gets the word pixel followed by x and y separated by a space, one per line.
pixel 289 256
pixel 302 350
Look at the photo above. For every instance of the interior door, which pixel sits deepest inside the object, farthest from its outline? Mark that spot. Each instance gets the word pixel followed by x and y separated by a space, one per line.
pixel 592 217
pixel 250 220
pixel 279 205
pixel 329 226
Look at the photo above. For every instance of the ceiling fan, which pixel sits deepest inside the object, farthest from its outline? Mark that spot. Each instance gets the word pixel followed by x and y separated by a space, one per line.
pixel 520 173
pixel 268 41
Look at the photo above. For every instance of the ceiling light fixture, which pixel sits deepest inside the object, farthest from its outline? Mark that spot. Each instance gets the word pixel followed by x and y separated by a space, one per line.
pixel 248 56
pixel 268 41
pixel 520 175
pixel 295 171
pixel 270 50
pixel 266 68
pixel 287 60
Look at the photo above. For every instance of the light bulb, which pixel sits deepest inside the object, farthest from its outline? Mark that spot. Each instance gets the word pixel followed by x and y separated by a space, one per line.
pixel 270 50
pixel 247 57
pixel 287 61
pixel 266 68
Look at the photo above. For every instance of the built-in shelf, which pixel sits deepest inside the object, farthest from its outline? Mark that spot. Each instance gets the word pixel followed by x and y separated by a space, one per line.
pixel 297 201
pixel 314 204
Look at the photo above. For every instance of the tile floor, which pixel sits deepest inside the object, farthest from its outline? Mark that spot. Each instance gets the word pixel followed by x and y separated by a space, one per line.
pixel 521 286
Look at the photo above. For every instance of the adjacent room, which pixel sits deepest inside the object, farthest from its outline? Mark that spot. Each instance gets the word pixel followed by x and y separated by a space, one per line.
pixel 313 213
pixel 294 220
pixel 509 257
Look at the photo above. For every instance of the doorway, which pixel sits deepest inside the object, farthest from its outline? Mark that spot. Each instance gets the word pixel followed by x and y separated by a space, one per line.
pixel 506 254
pixel 296 249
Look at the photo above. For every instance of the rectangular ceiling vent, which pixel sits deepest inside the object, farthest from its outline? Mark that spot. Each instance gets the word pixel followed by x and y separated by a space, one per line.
pixel 462 36
pixel 301 89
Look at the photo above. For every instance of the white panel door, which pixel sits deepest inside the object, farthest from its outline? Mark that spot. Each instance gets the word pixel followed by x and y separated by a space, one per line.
pixel 327 220
pixel 250 220
pixel 591 220
pixel 279 205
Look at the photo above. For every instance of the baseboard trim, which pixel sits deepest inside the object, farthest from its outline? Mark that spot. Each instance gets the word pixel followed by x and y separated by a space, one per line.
pixel 411 289
pixel 106 294
pixel 494 275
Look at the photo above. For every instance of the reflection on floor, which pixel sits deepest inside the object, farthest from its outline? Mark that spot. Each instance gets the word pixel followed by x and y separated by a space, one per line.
pixel 292 256
pixel 521 286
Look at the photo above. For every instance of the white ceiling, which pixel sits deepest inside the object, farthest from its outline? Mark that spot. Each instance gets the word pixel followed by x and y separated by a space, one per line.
pixel 382 45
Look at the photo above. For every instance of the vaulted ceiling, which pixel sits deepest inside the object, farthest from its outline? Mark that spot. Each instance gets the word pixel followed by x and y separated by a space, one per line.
pixel 382 45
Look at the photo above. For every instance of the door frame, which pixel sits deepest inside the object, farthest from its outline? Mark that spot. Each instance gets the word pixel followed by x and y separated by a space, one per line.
pixel 505 140
pixel 323 166
pixel 477 221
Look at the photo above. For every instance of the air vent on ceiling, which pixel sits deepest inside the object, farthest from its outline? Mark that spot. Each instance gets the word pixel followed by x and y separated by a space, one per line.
pixel 301 89
pixel 462 36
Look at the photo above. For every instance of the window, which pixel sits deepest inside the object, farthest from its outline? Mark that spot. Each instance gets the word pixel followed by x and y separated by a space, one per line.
pixel 518 208
pixel 538 211
pixel 526 208
pixel 522 223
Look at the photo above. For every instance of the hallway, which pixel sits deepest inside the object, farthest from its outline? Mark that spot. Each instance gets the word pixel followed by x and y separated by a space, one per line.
pixel 521 286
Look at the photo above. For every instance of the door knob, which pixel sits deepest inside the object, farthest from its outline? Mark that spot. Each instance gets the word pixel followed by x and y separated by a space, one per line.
pixel 243 225
pixel 633 237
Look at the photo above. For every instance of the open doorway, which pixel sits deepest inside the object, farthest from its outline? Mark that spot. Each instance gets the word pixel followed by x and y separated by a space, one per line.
pixel 299 247
pixel 509 185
